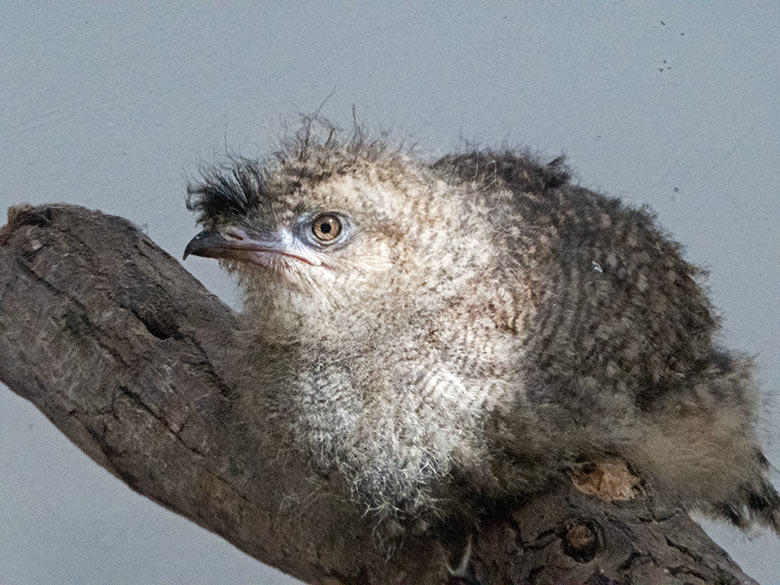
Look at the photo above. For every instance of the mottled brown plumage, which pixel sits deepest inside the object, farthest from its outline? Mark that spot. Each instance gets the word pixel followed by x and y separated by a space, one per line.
pixel 438 335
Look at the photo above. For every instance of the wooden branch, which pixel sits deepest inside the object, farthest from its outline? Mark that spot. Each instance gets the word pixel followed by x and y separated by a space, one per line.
pixel 124 351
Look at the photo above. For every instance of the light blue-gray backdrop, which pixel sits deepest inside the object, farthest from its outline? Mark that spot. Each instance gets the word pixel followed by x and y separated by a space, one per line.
pixel 109 104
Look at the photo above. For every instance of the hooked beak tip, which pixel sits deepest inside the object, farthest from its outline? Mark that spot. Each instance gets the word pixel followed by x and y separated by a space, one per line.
pixel 188 250
pixel 204 244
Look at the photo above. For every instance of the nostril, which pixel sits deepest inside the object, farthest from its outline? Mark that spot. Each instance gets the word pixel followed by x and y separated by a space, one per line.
pixel 234 235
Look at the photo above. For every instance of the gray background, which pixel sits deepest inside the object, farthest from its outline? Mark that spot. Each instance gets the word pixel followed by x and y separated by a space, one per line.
pixel 670 103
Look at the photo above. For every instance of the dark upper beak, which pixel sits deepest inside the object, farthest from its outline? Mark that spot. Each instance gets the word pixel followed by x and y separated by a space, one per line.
pixel 211 244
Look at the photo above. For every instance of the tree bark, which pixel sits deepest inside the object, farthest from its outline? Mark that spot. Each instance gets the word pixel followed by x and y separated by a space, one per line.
pixel 124 351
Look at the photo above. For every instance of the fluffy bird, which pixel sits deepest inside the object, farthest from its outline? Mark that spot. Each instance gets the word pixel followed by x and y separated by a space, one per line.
pixel 438 334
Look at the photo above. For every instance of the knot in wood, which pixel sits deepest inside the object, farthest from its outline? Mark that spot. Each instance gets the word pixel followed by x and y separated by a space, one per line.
pixel 26 214
pixel 582 541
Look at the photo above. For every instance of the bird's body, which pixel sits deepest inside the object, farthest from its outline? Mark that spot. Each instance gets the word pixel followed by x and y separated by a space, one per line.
pixel 434 334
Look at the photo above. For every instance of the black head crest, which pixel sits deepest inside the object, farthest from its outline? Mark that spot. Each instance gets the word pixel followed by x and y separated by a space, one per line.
pixel 234 189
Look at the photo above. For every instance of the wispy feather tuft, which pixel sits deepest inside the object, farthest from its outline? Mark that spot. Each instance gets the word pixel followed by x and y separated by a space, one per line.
pixel 234 188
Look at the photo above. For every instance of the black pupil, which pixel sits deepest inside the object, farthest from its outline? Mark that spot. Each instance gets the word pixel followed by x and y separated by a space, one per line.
pixel 325 228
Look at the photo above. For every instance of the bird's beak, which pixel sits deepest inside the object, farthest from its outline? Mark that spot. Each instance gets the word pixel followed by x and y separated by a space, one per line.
pixel 238 244
pixel 232 243
pixel 210 244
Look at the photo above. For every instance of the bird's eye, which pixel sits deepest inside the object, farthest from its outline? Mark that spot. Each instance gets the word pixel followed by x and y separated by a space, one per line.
pixel 326 227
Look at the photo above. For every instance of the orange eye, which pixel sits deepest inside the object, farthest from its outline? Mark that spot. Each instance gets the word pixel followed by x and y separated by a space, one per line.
pixel 326 228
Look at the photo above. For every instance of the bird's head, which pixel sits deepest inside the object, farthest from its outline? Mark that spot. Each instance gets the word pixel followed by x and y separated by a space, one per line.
pixel 329 235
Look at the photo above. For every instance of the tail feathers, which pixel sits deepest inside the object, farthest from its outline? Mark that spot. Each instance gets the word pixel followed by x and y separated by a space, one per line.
pixel 756 503
pixel 764 506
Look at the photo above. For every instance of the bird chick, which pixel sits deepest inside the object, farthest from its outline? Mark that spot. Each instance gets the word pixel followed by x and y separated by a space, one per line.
pixel 435 334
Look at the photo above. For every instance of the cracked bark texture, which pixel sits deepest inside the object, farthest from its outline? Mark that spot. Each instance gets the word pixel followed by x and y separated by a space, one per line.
pixel 125 353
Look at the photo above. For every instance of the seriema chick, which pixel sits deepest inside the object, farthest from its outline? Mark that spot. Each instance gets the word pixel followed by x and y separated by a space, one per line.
pixel 435 334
